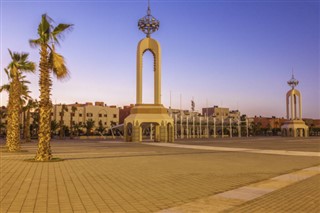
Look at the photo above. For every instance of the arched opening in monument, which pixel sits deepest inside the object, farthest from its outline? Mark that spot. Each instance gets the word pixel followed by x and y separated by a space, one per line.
pixel 128 132
pixel 148 75
pixel 150 131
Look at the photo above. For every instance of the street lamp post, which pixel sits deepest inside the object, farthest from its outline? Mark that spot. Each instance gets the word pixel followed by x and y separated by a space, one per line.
pixel 200 132
pixel 175 127
pixel 239 129
pixel 214 128
pixel 230 128
pixel 207 127
pixel 247 126
pixel 187 126
pixel 222 120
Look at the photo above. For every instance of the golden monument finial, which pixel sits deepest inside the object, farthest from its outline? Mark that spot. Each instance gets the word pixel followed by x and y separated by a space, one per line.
pixel 293 82
pixel 148 24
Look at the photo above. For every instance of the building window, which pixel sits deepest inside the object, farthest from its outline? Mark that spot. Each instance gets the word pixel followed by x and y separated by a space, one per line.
pixel 80 115
pixel 105 115
pixel 89 114
pixel 105 123
pixel 114 115
pixel 51 113
pixel 100 115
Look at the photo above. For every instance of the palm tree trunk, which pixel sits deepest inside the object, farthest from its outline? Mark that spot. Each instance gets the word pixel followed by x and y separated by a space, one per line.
pixel 9 112
pixel 14 133
pixel 44 148
pixel 27 127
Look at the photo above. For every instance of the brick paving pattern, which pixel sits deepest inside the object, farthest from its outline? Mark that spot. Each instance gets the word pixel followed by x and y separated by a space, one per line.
pixel 104 176
pixel 300 197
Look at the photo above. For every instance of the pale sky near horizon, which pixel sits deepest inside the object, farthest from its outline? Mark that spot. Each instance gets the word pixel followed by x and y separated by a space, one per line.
pixel 236 54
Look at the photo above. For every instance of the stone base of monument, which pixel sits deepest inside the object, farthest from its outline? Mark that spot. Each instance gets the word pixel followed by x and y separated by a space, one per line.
pixel 295 128
pixel 149 114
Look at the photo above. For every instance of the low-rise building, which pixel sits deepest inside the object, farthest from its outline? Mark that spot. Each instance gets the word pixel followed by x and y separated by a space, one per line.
pixel 220 112
pixel 99 113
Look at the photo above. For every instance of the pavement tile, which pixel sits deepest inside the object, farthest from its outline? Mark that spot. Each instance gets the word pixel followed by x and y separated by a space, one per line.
pixel 102 176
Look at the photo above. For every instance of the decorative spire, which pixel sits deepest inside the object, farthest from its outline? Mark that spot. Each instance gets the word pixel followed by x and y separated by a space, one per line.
pixel 293 82
pixel 148 24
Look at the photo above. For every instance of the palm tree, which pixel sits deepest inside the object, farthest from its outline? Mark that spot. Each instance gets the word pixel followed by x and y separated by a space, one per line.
pixel 101 128
pixel 54 126
pixel 3 114
pixel 35 120
pixel 89 125
pixel 72 114
pixel 16 89
pixel 26 130
pixel 24 92
pixel 77 128
pixel 63 109
pixel 50 61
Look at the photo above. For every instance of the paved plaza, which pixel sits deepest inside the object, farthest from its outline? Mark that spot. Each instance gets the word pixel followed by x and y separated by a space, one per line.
pixel 193 175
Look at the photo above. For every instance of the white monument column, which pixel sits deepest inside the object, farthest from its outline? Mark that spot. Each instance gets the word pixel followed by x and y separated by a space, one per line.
pixel 292 107
pixel 294 125
pixel 193 130
pixel 188 126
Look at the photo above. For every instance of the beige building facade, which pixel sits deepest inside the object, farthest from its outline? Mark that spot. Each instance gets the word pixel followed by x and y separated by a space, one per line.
pixel 98 112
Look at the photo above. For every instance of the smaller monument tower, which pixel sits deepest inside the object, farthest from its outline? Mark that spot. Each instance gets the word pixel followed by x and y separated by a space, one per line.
pixel 294 126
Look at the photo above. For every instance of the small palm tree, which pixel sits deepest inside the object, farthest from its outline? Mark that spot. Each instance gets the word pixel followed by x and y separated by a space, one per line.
pixel 89 125
pixel 24 92
pixel 50 61
pixel 16 88
pixel 101 128
pixel 72 114
pixel 54 126
pixel 3 115
pixel 35 115
pixel 27 108
pixel 64 108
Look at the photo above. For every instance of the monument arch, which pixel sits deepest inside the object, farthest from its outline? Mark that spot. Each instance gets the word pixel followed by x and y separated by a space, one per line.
pixel 155 115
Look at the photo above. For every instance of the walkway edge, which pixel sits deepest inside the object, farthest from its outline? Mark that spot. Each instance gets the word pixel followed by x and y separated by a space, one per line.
pixel 232 198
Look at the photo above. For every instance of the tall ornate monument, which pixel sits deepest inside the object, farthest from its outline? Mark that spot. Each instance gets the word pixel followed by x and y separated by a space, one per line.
pixel 294 126
pixel 154 115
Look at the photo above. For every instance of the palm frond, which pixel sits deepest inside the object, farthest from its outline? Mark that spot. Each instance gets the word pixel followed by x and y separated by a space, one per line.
pixel 58 65
pixel 28 66
pixel 23 57
pixel 35 42
pixel 58 31
pixel 5 87
pixel 10 53
pixel 8 73
pixel 44 28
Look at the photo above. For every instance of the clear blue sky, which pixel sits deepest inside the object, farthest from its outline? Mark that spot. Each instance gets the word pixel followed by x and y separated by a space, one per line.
pixel 236 54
